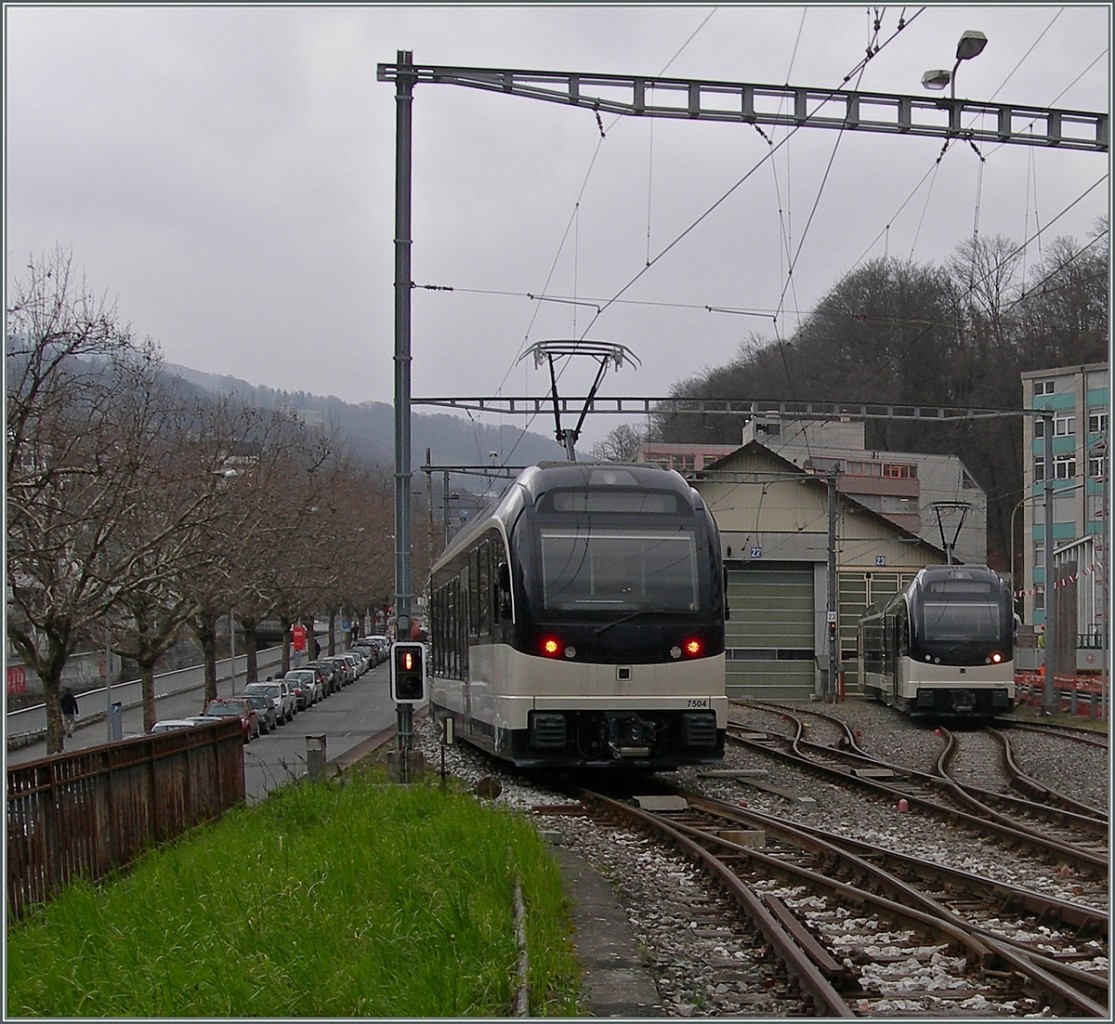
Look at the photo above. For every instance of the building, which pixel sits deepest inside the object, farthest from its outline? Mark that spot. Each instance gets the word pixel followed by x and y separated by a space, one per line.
pixel 774 519
pixel 1077 400
pixel 931 496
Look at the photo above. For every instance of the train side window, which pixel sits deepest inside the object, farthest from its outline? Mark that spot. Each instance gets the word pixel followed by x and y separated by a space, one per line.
pixel 503 573
pixel 483 623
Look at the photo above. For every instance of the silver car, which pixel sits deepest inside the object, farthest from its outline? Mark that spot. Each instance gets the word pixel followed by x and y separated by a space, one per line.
pixel 282 694
pixel 308 678
pixel 266 710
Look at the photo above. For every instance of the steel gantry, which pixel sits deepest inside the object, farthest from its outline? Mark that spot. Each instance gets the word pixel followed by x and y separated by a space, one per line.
pixel 691 99
pixel 786 105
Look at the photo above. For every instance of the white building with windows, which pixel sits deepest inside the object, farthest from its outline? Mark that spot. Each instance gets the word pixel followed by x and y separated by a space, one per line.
pixel 1079 399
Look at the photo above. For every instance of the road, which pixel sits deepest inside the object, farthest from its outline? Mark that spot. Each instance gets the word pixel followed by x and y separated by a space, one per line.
pixel 346 719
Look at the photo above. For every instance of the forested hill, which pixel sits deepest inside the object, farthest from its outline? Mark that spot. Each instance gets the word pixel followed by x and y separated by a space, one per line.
pixel 897 333
pixel 369 427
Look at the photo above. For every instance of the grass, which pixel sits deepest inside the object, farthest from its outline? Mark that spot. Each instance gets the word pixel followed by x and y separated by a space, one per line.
pixel 1064 718
pixel 332 900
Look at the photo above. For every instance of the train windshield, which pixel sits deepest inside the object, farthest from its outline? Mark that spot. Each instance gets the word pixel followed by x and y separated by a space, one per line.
pixel 600 569
pixel 961 619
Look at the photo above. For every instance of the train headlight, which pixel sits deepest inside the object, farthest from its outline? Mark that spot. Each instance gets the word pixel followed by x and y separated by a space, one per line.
pixel 995 658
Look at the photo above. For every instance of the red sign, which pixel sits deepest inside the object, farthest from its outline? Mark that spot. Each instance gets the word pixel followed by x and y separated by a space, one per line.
pixel 17 679
pixel 298 637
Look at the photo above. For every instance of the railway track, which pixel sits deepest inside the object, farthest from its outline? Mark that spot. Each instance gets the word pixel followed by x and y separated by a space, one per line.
pixel 852 935
pixel 1068 841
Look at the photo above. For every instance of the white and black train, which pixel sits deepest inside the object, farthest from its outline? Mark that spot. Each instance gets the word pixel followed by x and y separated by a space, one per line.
pixel 944 646
pixel 579 621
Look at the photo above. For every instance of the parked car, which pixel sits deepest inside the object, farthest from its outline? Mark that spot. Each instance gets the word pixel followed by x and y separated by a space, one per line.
pixel 302 693
pixel 265 709
pixel 308 679
pixel 322 677
pixel 331 672
pixel 278 690
pixel 345 667
pixel 381 644
pixel 228 707
pixel 356 662
pixel 173 724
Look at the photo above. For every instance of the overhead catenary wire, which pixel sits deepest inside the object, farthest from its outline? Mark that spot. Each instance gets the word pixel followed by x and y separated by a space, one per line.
pixel 616 297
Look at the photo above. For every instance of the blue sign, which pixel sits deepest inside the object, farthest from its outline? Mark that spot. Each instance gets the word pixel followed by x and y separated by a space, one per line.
pixel 756 552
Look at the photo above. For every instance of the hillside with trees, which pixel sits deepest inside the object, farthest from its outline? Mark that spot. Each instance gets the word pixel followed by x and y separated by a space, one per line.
pixel 902 333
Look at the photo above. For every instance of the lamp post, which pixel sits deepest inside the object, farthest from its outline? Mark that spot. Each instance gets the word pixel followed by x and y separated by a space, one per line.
pixel 970 45
pixel 1014 513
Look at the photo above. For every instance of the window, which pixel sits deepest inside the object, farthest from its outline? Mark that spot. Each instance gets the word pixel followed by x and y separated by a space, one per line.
pixel 1064 423
pixel 1043 387
pixel 1097 422
pixel 898 470
pixel 1064 467
pixel 615 570
pixel 1096 466
pixel 1039 468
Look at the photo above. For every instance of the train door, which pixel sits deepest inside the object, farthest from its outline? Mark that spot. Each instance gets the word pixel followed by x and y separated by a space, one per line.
pixel 899 671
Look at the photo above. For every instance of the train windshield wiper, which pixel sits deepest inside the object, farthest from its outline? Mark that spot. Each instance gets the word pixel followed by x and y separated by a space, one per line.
pixel 627 618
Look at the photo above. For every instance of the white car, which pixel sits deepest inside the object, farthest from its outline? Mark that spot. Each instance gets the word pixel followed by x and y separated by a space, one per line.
pixel 172 724
pixel 309 678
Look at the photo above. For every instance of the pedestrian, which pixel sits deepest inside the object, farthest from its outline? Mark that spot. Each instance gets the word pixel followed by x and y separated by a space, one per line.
pixel 69 710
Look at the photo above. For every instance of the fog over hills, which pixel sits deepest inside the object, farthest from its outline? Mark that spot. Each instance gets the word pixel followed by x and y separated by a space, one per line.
pixel 369 427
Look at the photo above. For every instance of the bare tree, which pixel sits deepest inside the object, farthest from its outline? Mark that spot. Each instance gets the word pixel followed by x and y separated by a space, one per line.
pixel 621 445
pixel 72 466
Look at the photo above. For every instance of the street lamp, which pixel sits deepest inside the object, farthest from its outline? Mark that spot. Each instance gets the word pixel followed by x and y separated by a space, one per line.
pixel 971 45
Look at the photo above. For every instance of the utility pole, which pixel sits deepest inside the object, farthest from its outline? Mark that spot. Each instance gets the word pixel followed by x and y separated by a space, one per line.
pixel 831 613
pixel 404 98
pixel 1049 590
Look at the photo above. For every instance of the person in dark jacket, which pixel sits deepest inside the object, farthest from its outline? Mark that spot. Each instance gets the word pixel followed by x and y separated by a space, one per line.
pixel 69 710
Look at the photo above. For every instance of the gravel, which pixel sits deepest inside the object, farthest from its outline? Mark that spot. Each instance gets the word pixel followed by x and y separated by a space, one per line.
pixel 698 974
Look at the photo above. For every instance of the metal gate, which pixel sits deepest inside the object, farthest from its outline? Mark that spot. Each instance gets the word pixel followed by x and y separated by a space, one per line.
pixel 769 638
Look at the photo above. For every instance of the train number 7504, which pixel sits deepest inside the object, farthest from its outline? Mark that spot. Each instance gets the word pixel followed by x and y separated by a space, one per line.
pixel 697 702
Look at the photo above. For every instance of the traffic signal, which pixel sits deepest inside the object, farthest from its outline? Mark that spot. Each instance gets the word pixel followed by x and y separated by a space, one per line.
pixel 408 673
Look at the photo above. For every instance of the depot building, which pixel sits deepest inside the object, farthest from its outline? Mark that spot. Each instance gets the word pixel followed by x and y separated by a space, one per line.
pixel 780 512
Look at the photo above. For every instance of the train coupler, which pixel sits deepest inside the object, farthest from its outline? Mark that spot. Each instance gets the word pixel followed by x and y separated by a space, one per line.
pixel 630 736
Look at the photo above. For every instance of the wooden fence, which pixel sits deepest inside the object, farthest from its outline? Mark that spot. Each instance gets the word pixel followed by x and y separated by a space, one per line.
pixel 89 813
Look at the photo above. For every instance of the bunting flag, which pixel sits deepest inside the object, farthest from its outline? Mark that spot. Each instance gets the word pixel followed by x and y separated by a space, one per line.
pixel 1095 569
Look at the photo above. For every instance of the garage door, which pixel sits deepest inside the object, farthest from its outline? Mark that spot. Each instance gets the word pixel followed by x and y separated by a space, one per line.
pixel 769 637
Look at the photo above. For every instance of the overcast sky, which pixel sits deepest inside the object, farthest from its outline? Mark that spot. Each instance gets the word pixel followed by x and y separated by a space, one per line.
pixel 226 175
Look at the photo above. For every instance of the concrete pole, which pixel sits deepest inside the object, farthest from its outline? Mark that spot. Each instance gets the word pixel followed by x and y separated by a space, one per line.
pixel 831 614
pixel 1050 604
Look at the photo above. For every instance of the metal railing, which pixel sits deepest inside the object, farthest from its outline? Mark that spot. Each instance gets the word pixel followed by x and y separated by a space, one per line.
pixel 89 813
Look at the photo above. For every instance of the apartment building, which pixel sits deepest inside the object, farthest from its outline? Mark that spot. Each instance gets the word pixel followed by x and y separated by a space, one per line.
pixel 1076 401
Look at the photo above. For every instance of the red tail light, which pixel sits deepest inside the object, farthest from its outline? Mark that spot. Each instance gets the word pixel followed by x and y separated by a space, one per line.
pixel 694 647
pixel 551 647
